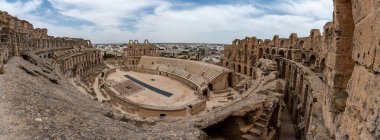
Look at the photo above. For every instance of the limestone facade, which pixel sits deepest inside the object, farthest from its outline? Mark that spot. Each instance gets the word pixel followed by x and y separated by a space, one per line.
pixel 135 50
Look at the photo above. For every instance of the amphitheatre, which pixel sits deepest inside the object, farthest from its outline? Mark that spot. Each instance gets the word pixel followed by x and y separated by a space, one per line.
pixel 326 86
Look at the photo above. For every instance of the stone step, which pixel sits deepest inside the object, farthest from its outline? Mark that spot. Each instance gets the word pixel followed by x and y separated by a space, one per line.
pixel 245 128
pixel 256 131
pixel 249 137
pixel 263 120
pixel 264 116
pixel 260 124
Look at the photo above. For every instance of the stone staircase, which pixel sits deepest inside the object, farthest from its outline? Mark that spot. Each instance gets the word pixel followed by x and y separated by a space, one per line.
pixel 255 130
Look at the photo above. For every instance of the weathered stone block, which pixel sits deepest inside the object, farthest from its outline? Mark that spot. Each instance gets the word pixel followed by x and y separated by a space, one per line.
pixel 376 42
pixel 361 9
pixel 363 49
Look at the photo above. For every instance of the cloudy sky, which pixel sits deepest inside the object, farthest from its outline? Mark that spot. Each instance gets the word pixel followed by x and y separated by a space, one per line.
pixel 201 21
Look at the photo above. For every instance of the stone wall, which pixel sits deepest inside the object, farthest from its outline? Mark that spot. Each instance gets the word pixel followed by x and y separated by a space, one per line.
pixel 360 119
pixel 134 52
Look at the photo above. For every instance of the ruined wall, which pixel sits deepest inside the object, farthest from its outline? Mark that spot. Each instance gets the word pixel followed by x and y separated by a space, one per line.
pixel 134 52
pixel 360 119
pixel 20 38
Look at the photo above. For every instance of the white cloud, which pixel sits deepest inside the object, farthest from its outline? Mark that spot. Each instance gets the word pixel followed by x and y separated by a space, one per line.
pixel 166 22
pixel 19 8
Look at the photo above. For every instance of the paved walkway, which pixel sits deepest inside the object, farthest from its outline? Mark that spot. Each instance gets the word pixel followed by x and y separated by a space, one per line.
pixel 287 127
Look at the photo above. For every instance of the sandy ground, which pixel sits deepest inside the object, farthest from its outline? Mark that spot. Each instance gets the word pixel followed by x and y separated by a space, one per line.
pixel 287 127
pixel 182 94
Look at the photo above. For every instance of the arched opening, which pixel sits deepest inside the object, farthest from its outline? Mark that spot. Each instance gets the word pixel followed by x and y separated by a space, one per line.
pixel 303 56
pixel 250 71
pixel 267 51
pixel 281 53
pixel 211 87
pixel 301 45
pixel 260 53
pixel 239 68
pixel 245 70
pixel 322 65
pixel 312 61
pixel 267 43
pixel 289 56
pixel 273 51
pixel 230 78
pixel 282 44
pixel 205 92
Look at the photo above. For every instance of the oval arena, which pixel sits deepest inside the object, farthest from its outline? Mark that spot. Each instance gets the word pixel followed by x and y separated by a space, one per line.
pixel 165 87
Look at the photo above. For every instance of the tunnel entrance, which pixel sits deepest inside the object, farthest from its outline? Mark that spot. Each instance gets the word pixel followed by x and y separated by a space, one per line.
pixel 225 130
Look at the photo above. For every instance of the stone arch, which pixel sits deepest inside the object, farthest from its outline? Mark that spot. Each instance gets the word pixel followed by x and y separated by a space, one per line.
pixel 211 87
pixel 250 71
pixel 283 69
pixel 301 44
pixel 267 51
pixel 322 65
pixel 260 53
pixel 237 42
pixel 303 57
pixel 289 55
pixel 146 42
pixel 281 53
pixel 312 61
pixel 245 70
pixel 282 44
pixel 136 42
pixel 130 42
pixel 267 43
pixel 273 52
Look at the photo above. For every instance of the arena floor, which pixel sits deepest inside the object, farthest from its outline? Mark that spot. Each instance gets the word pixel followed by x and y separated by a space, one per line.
pixel 182 94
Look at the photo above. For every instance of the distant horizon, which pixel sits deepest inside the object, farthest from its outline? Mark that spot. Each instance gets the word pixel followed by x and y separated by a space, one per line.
pixel 164 43
pixel 195 21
